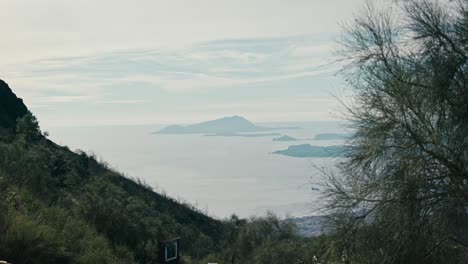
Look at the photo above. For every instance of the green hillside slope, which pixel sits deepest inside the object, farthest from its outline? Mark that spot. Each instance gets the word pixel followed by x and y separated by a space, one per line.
pixel 59 206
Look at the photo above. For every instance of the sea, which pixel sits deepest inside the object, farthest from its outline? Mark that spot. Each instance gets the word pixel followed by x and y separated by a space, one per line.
pixel 220 176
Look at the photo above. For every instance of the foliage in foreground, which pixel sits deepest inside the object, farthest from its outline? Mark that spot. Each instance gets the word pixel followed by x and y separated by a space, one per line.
pixel 267 240
pixel 403 195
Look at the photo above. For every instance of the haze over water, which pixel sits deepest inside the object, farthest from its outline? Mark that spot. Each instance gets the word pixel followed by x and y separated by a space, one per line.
pixel 175 61
pixel 220 175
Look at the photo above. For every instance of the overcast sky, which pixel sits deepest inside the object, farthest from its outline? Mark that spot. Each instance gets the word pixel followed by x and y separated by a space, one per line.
pixel 92 62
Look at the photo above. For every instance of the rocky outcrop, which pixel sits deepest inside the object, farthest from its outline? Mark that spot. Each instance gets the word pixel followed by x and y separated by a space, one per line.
pixel 11 107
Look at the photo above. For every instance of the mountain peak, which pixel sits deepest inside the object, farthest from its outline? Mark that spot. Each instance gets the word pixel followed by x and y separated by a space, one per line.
pixel 232 119
pixel 235 117
pixel 11 107
pixel 228 124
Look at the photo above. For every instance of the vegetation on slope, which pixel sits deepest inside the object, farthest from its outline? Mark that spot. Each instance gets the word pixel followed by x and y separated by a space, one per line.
pixel 51 187
pixel 401 198
pixel 58 206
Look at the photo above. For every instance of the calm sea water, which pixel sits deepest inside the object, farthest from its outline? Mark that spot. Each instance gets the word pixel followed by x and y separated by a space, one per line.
pixel 220 175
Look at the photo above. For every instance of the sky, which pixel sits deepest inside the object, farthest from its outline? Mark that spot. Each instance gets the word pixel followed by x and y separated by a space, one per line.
pixel 128 62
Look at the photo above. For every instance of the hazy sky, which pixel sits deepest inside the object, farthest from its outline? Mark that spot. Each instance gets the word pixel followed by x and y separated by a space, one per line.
pixel 153 61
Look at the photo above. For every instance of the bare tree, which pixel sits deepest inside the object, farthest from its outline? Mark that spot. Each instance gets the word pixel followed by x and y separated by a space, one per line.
pixel 403 192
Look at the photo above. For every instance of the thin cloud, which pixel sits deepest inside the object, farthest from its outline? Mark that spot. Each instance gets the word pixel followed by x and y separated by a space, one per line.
pixel 168 80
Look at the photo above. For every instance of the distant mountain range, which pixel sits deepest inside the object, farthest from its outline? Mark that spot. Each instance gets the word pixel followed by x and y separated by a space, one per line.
pixel 252 135
pixel 285 138
pixel 323 136
pixel 331 136
pixel 223 126
pixel 307 150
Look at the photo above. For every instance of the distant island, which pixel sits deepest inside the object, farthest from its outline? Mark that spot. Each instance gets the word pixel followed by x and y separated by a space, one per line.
pixel 243 135
pixel 224 126
pixel 323 136
pixel 285 138
pixel 307 150
pixel 331 136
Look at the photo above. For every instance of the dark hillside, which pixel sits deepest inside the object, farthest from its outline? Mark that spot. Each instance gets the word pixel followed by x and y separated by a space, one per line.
pixel 11 107
pixel 61 205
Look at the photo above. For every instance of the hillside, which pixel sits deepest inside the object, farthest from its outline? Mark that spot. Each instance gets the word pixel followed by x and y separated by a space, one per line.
pixel 11 108
pixel 60 206
pixel 71 207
